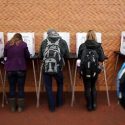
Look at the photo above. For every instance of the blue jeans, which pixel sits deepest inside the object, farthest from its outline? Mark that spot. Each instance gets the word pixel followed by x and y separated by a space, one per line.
pixel 16 78
pixel 48 85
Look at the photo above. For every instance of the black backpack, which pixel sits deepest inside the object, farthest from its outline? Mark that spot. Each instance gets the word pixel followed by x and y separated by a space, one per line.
pixel 52 59
pixel 89 62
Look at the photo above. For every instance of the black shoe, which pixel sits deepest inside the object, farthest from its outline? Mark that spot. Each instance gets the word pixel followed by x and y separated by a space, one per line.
pixel 12 103
pixel 89 107
pixel 20 104
pixel 52 109
pixel 94 107
pixel 59 104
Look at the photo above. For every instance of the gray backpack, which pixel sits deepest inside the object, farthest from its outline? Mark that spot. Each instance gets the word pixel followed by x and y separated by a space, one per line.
pixel 52 59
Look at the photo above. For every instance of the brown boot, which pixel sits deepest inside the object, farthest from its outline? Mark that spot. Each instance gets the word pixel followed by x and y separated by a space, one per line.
pixel 20 104
pixel 12 103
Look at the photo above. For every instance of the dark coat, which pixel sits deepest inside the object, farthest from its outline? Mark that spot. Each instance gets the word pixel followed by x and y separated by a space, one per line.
pixel 92 45
pixel 62 44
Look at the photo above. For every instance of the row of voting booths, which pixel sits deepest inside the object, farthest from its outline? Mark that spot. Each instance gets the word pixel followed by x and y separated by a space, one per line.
pixel 29 38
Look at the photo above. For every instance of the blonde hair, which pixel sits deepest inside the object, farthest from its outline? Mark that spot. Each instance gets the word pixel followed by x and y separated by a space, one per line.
pixel 91 35
pixel 16 39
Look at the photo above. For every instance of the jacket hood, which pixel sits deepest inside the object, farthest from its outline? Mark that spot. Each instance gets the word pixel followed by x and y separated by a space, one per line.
pixel 90 44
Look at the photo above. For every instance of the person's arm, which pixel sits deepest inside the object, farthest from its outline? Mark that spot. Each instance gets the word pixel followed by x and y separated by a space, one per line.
pixel 5 51
pixel 42 49
pixel 67 51
pixel 81 48
pixel 101 54
pixel 26 52
pixel 64 48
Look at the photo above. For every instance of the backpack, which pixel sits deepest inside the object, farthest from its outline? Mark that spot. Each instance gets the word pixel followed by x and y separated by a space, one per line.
pixel 89 63
pixel 52 59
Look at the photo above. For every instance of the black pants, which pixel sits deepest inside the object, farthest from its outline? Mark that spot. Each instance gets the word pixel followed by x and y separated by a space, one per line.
pixel 90 90
pixel 89 84
pixel 48 85
pixel 16 78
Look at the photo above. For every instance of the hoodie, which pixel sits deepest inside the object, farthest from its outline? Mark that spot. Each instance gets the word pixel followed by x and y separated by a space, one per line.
pixel 90 44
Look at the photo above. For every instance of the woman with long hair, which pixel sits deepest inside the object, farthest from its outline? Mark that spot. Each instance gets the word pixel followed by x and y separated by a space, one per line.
pixel 89 75
pixel 15 53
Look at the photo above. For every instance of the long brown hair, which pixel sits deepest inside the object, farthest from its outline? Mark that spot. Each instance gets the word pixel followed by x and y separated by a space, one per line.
pixel 91 35
pixel 16 39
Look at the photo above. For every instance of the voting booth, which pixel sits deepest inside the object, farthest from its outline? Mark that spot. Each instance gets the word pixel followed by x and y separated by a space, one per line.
pixel 28 37
pixel 1 44
pixel 66 37
pixel 81 38
pixel 121 52
pixel 122 46
pixel 63 35
pixel 1 76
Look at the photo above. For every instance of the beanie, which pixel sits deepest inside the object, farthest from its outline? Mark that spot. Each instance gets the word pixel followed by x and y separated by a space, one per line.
pixel 52 33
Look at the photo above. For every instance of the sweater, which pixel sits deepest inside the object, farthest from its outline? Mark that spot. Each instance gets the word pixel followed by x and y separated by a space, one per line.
pixel 16 56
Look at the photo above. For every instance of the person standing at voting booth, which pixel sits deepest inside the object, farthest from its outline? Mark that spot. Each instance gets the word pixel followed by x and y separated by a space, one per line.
pixel 52 53
pixel 90 53
pixel 15 54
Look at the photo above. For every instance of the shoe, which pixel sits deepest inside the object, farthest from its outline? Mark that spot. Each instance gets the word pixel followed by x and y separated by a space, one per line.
pixel 94 100
pixel 12 103
pixel 94 106
pixel 52 109
pixel 20 104
pixel 89 107
pixel 88 101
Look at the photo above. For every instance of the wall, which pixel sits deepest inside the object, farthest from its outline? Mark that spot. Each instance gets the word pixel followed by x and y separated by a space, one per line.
pixel 105 16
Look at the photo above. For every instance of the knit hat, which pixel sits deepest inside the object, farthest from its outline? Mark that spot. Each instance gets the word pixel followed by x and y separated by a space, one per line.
pixel 52 33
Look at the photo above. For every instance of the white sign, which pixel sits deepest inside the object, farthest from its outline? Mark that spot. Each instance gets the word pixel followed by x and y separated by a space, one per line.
pixel 81 38
pixel 1 44
pixel 64 35
pixel 122 47
pixel 29 38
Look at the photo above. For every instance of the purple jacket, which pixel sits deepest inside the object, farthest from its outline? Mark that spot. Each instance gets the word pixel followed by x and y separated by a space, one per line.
pixel 16 56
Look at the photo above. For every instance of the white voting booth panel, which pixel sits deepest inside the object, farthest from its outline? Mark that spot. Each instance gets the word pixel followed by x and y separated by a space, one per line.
pixel 122 46
pixel 1 44
pixel 64 35
pixel 81 38
pixel 28 37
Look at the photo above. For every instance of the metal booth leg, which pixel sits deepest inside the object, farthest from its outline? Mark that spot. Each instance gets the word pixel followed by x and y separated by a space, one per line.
pixel 2 89
pixel 73 86
pixel 70 75
pixel 39 86
pixel 107 90
pixel 4 97
pixel 34 74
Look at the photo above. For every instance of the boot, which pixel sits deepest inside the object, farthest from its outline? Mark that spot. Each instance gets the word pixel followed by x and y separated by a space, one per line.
pixel 20 104
pixel 89 101
pixel 12 103
pixel 94 100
